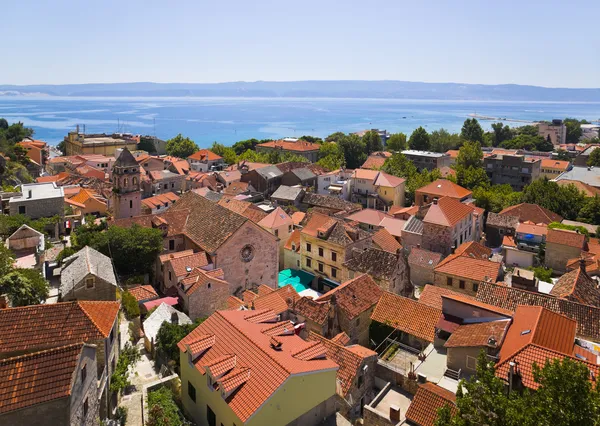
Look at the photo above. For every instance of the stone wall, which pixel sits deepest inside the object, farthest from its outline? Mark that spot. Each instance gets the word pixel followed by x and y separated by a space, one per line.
pixel 102 290
pixel 291 259
pixel 51 413
pixel 205 300
pixel 437 238
pixel 557 256
pixel 441 280
pixel 420 275
pixel 85 390
pixel 358 328
pixel 36 209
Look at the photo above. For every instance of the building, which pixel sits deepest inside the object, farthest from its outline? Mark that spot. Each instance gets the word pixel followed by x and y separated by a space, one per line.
pixel 333 204
pixel 205 161
pixel 247 253
pixel 441 188
pixel 174 267
pixel 86 202
pixel 582 157
pixel 389 270
pixel 556 131
pixel 295 146
pixel 163 313
pixel 422 264
pixel 562 245
pixel 553 168
pixel 159 203
pixel 265 180
pixel 78 143
pixel 522 249
pixel 280 224
pixel 37 151
pixel 466 269
pixel 143 293
pixel 127 195
pixel 498 226
pixel 203 292
pixel 52 387
pixel 335 183
pixel 423 410
pixel 38 200
pixel 532 213
pixel 288 196
pixel 291 251
pixel 385 241
pixel 448 223
pixel 377 189
pixel 327 242
pixel 299 177
pixel 246 368
pixel 587 189
pixel 87 275
pixel 577 286
pixel 425 160
pixel 376 160
pixel 587 175
pixel 36 328
pixel 355 384
pixel 163 181
pixel 517 171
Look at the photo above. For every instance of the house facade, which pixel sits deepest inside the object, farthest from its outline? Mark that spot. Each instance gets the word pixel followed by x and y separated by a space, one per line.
pixel 87 275
pixel 562 245
pixel 205 161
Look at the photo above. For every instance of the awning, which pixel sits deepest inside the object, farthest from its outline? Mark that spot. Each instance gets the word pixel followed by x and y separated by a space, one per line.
pixel 171 301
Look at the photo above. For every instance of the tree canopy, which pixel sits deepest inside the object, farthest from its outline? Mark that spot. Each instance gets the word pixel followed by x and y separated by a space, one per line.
pixel 147 144
pixel 594 158
pixel 442 140
pixel 372 141
pixel 170 334
pixel 472 131
pixel 399 165
pixel 24 287
pixel 354 149
pixel 501 132
pixel 181 147
pixel 469 166
pixel 566 200
pixel 574 131
pixel 419 140
pixel 330 156
pixel 396 142
pixel 590 212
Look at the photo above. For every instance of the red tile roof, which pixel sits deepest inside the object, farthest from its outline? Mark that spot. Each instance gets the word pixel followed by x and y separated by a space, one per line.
pixel 350 361
pixel 38 377
pixel 587 189
pixel 578 287
pixel 275 219
pixel 308 308
pixel 470 268
pixel 298 146
pixel 423 410
pixel 298 217
pixel 432 295
pixel 355 296
pixel 374 162
pixel 199 278
pixel 252 349
pixel 531 212
pixel 566 238
pixel 43 326
pixel 387 180
pixel 235 303
pixel 386 241
pixel 445 188
pixel 474 249
pixel 447 212
pixel 294 240
pixel 341 338
pixel 407 315
pixel 165 199
pixel 548 163
pixel 483 334
pixel 468 300
pixel 143 292
pixel 183 265
pixel 204 155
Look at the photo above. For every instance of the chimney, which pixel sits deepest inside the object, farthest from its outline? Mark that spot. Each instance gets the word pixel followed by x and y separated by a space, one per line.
pixel 3 302
pixel 435 201
pixel 511 372
pixel 452 249
pixel 394 414
pixel 582 265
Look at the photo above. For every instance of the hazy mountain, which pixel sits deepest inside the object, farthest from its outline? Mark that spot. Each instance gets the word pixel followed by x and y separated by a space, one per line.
pixel 310 89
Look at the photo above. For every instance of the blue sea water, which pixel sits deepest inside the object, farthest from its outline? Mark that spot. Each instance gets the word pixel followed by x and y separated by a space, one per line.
pixel 228 120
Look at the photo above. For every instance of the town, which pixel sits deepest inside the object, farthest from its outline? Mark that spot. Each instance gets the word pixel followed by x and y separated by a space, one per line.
pixel 368 278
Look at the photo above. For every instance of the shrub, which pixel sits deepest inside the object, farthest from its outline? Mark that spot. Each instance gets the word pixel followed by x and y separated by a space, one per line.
pixel 130 305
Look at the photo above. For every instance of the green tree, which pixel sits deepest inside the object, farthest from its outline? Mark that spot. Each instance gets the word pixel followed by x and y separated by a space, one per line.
pixel 169 335
pixel 128 357
pixel 545 145
pixel 372 141
pixel 472 131
pixel 563 155
pixel 501 133
pixel 23 288
pixel 181 147
pixel 311 139
pixel 330 156
pixel 541 273
pixel 354 149
pixel 162 410
pixel 496 198
pixel 130 305
pixel 228 153
pixel 64 253
pixel 20 154
pixel 62 147
pixel 419 140
pixel 442 140
pixel 470 155
pixel 3 124
pixel 335 137
pixel 147 144
pixel 527 130
pixel 472 177
pixel 396 142
pixel 590 212
pixel 7 259
pixel 243 146
pixel 399 165
pixel 594 158
pixel 558 225
pixel 574 131
pixel 566 200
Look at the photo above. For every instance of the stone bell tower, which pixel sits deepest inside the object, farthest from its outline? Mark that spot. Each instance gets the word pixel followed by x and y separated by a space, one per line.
pixel 127 197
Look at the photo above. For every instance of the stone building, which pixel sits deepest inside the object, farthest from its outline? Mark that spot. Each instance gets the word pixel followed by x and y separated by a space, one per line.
pixel 51 387
pixel 162 182
pixel 441 188
pixel 265 180
pixel 577 286
pixel 424 160
pixel 499 226
pixel 562 245
pixel 300 176
pixel 205 160
pixel 305 149
pixel 203 292
pixel 173 267
pixel 80 143
pixel 87 275
pixel 448 223
pixel 31 329
pixel 389 270
pixel 38 200
pixel 422 264
pixel 127 196
pixel 280 224
pixel 291 251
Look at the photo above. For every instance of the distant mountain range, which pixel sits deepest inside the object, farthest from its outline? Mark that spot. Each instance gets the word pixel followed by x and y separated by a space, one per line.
pixel 311 89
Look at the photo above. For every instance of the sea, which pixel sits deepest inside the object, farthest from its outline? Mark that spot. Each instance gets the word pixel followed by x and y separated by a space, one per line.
pixel 227 120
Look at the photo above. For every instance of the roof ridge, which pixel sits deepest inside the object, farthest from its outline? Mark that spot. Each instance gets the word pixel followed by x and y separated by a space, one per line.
pixel 42 352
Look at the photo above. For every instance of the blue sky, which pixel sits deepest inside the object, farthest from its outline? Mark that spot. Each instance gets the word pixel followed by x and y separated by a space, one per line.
pixel 548 43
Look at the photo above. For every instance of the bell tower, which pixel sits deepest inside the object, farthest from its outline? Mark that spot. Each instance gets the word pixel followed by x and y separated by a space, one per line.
pixel 127 196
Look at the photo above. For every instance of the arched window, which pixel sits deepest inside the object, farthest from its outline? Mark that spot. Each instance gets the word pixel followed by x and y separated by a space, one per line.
pixel 134 181
pixel 125 182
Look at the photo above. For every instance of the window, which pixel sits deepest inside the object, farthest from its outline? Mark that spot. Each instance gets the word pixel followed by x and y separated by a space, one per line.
pixel 277 232
pixel 171 244
pixel 357 322
pixel 298 263
pixel 211 416
pixel 334 256
pixel 471 363
pixel 83 373
pixel 320 267
pixel 449 281
pixel 112 365
pixel 130 204
pixel 321 251
pixel 461 284
pixel 290 227
pixel 191 391
pixel 85 407
pixel 475 287
pixel 89 282
pixel 308 263
pixel 172 184
pixel 308 247
pixel 360 381
pixel 170 276
pixel 334 272
pixel 166 186
pixel 112 335
pixel 22 209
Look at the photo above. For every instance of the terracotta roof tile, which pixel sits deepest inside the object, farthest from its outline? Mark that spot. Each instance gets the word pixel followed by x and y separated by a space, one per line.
pixel 165 199
pixel 565 237
pixel 199 278
pixel 474 249
pixel 531 212
pixel 424 258
pixel 374 162
pixel 350 361
pixel 432 295
pixel 445 188
pixel 373 261
pixel 183 265
pixel 426 403
pixel 317 312
pixel 269 367
pixel 386 241
pixel 235 303
pixel 489 334
pixel 355 296
pixel 407 315
pixel 244 208
pixel 548 163
pixel 38 377
pixel 204 155
pixel 587 317
pixel 577 286
pixel 468 300
pixel 587 189
pixel 341 338
pixel 447 212
pixel 465 266
pixel 298 146
pixel 42 326
pixel 143 292
pixel 293 240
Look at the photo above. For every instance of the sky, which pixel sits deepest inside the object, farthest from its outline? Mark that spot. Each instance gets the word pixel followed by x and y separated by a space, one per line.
pixel 550 43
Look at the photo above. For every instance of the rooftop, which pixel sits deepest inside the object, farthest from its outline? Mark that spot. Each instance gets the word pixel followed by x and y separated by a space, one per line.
pixel 38 191
pixel 566 238
pixel 163 313
pixel 445 188
pixel 577 286
pixel 447 212
pixel 143 292
pixel 386 241
pixel 78 266
pixel 354 296
pixel 432 295
pixel 204 155
pixel 589 175
pixel 531 213
pixel 378 263
pixel 291 144
pixel 288 193
pixel 427 401
pixel 424 153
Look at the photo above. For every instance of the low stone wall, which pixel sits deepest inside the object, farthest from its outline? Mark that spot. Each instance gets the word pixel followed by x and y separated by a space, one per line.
pixel 396 378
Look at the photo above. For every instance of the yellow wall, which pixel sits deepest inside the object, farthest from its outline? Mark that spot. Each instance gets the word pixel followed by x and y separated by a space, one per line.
pixel 549 173
pixel 325 260
pixel 295 396
pixel 392 195
pixel 74 147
